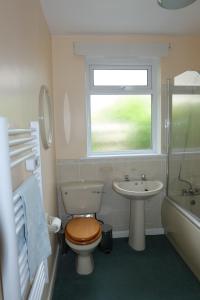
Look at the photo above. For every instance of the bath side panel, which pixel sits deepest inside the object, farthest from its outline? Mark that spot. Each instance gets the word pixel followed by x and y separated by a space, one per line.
pixel 183 234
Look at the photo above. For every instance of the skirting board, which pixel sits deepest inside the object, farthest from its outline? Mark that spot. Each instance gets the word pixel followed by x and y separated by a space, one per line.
pixel 53 275
pixel 150 231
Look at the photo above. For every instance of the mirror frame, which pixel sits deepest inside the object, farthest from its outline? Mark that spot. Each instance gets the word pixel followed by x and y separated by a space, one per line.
pixel 45 117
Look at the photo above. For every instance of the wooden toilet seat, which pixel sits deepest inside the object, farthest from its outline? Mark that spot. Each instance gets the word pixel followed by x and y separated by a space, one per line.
pixel 83 231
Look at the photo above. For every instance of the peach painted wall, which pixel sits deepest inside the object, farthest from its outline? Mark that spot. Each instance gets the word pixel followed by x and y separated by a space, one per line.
pixel 69 72
pixel 25 64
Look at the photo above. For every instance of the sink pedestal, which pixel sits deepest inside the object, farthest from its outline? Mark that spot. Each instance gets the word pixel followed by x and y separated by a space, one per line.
pixel 136 226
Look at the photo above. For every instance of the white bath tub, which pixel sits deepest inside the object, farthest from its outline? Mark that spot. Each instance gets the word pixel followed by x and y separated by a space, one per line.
pixel 182 227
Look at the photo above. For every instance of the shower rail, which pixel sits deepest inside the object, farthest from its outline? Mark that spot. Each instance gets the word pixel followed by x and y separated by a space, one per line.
pixel 14 151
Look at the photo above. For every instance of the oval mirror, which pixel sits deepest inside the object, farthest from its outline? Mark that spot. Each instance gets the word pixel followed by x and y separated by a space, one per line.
pixel 45 117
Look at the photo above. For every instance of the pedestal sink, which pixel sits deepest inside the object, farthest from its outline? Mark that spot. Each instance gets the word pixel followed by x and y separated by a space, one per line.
pixel 137 191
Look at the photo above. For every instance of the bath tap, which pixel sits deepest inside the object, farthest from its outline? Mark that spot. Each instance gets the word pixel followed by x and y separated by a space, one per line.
pixel 191 192
pixel 188 191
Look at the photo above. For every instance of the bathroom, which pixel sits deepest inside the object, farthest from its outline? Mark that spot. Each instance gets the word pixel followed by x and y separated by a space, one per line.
pixel 34 54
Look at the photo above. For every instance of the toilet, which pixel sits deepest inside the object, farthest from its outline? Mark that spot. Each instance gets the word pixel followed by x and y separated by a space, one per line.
pixel 82 200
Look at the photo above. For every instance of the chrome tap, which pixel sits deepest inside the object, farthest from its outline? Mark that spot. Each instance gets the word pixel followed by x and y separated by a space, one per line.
pixel 143 177
pixel 190 190
pixel 126 178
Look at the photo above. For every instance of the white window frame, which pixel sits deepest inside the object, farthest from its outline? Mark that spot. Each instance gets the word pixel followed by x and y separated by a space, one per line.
pixel 152 88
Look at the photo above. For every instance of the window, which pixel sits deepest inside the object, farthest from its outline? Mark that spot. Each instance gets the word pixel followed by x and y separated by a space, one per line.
pixel 122 108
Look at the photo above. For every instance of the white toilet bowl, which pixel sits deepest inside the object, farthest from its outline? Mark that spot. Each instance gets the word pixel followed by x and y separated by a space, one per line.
pixel 84 258
pixel 83 235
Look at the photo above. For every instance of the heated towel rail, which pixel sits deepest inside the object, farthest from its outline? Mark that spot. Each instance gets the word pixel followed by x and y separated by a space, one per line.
pixel 17 146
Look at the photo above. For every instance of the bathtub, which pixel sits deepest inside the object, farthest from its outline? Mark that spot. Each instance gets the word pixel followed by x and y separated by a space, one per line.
pixel 181 222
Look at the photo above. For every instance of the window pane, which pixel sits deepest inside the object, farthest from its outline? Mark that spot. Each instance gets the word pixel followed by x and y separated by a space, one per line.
pixel 120 122
pixel 120 77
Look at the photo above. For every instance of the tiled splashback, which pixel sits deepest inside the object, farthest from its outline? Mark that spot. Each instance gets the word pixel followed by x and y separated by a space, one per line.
pixel 115 208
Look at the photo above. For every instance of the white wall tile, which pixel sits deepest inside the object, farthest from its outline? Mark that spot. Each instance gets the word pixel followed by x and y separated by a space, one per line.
pixel 69 172
pixel 88 171
pixel 115 209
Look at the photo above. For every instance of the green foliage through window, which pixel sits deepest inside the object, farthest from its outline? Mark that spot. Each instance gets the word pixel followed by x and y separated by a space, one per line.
pixel 120 122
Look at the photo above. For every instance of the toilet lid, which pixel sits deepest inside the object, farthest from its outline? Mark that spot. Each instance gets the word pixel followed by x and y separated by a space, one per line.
pixel 83 230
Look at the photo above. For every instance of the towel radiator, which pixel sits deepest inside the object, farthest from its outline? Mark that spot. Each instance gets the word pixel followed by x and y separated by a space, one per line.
pixel 17 146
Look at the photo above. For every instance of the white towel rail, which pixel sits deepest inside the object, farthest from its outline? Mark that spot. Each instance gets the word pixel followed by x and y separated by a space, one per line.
pixel 20 141
pixel 20 151
pixel 21 131
pixel 14 260
pixel 20 160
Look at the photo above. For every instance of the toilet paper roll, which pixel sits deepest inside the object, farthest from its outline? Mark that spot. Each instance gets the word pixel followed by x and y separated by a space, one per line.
pixel 54 224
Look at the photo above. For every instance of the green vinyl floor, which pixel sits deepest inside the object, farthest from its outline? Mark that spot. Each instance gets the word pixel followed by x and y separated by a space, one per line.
pixel 158 273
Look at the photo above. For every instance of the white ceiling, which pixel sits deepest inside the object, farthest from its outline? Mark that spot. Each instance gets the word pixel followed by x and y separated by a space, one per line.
pixel 119 17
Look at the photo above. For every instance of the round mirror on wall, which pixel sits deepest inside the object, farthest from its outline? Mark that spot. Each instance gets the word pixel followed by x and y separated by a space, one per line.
pixel 45 117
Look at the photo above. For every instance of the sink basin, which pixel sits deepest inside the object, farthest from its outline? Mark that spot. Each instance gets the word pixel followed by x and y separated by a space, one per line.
pixel 139 189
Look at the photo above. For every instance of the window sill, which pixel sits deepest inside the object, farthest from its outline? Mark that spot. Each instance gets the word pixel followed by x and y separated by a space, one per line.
pixel 126 156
